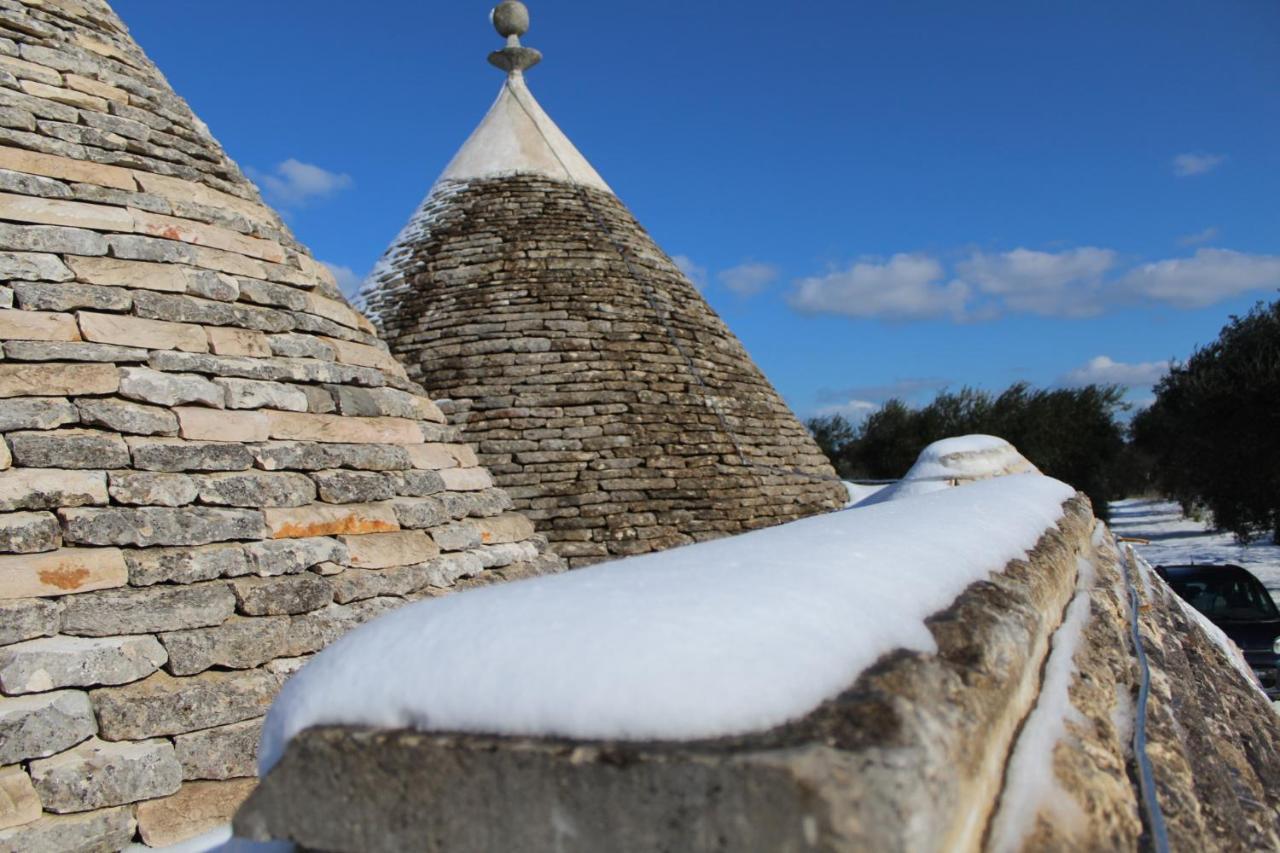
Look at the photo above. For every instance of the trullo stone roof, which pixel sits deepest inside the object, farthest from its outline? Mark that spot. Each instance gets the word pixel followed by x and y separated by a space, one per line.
pixel 601 389
pixel 211 467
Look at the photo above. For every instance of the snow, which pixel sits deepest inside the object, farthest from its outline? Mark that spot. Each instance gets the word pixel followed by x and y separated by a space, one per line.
pixel 859 492
pixel 1030 782
pixel 724 637
pixel 952 461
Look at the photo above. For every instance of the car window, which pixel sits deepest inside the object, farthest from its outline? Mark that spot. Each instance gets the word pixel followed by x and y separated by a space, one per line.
pixel 1234 597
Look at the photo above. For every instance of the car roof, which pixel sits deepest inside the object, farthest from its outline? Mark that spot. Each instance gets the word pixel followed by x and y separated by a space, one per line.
pixel 1191 570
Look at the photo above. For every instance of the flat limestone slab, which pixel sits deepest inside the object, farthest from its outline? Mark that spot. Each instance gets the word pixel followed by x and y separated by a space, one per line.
pixel 909 758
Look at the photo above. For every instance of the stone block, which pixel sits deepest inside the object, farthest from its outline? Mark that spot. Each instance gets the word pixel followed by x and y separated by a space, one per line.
pixel 148 488
pixel 126 330
pixel 466 479
pixel 232 341
pixel 256 394
pixel 201 424
pixel 147 610
pixel 47 240
pixel 115 272
pixel 55 351
pixel 151 566
pixel 364 355
pixel 347 487
pixel 176 455
pixel 29 532
pixel 69 448
pixel 337 429
pixel 26 618
pixel 338 312
pixel 165 526
pixel 311 632
pixel 202 234
pixel 168 389
pixel 290 556
pixel 196 809
pixel 66 168
pixel 57 662
pixel 72 214
pixel 57 380
pixel 238 643
pixel 61 572
pixel 417 484
pixel 257 489
pixel 309 456
pixel 123 416
pixel 420 513
pixel 42 296
pixel 378 402
pixel 387 550
pixel 97 774
pixel 43 724
pixel 19 802
pixel 301 346
pixel 89 832
pixel 224 752
pixel 330 520
pixel 23 413
pixel 21 325
pixel 434 457
pixel 285 595
pixel 163 705
pixel 359 584
pixel 50 488
pixel 504 529
pixel 32 266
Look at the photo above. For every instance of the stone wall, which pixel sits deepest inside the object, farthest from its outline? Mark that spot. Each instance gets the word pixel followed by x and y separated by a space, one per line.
pixel 210 467
pixel 509 296
pixel 916 755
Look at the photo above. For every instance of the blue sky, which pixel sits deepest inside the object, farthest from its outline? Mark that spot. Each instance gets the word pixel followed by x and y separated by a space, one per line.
pixel 879 198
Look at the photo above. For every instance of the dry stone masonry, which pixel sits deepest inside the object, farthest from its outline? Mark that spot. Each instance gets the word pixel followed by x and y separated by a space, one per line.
pixel 602 391
pixel 211 467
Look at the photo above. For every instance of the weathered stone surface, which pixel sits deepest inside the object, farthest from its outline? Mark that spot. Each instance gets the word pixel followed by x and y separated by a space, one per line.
pixel 77 351
pixel 458 536
pixel 19 325
pixel 25 618
pixel 29 266
pixel 348 487
pixel 39 239
pixel 29 532
pixel 157 608
pixel 504 529
pixel 417 483
pixel 132 274
pixel 421 513
pixel 56 662
pixel 148 488
pixel 301 346
pixel 198 808
pixel 466 479
pixel 238 643
pixel 290 556
pixel 435 456
pixel 40 725
pixel 151 566
pixel 164 705
pixel 359 584
pixel 65 168
pixel 123 416
pixel 225 752
pixel 311 632
pixel 138 332
pixel 57 379
pixel 285 595
pixel 49 488
pixel 387 550
pixel 60 572
pixel 91 832
pixel 36 413
pixel 330 520
pixel 176 455
pixel 19 802
pixel 97 774
pixel 337 429
pixel 257 489
pixel 38 296
pixel 68 448
pixel 232 341
pixel 147 526
pixel 168 389
pixel 253 394
pixel 307 456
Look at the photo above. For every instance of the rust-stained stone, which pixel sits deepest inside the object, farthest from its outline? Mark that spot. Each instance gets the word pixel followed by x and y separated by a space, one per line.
pixel 60 572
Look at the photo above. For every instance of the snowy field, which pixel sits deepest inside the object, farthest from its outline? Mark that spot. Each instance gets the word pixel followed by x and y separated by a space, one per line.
pixel 1177 539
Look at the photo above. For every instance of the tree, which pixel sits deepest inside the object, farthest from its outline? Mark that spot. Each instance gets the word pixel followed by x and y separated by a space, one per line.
pixel 1074 434
pixel 1214 429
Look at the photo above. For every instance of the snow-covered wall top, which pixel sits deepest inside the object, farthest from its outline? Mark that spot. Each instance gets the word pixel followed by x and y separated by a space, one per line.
pixel 724 637
pixel 952 461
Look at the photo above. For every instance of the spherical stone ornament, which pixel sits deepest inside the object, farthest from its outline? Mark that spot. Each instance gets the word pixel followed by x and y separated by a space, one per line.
pixel 510 18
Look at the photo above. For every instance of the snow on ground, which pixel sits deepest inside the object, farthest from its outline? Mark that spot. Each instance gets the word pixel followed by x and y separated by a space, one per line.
pixel 859 492
pixel 1177 539
pixel 724 637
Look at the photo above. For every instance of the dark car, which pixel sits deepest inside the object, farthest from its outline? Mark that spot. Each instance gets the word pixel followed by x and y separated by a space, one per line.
pixel 1240 605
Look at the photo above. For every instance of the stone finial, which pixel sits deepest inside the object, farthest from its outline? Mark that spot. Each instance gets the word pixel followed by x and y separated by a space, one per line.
pixel 511 19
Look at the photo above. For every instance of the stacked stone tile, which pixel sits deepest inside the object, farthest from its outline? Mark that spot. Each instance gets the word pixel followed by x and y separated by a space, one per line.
pixel 210 465
pixel 600 388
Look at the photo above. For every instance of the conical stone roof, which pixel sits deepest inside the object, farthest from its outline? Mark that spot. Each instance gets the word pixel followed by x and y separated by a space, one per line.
pixel 602 391
pixel 211 467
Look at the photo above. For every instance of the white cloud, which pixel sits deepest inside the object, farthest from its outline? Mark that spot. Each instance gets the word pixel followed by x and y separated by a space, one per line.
pixel 906 287
pixel 1209 276
pixel 749 278
pixel 692 271
pixel 853 411
pixel 1102 370
pixel 349 280
pixel 1053 284
pixel 1210 233
pixel 1188 165
pixel 294 183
